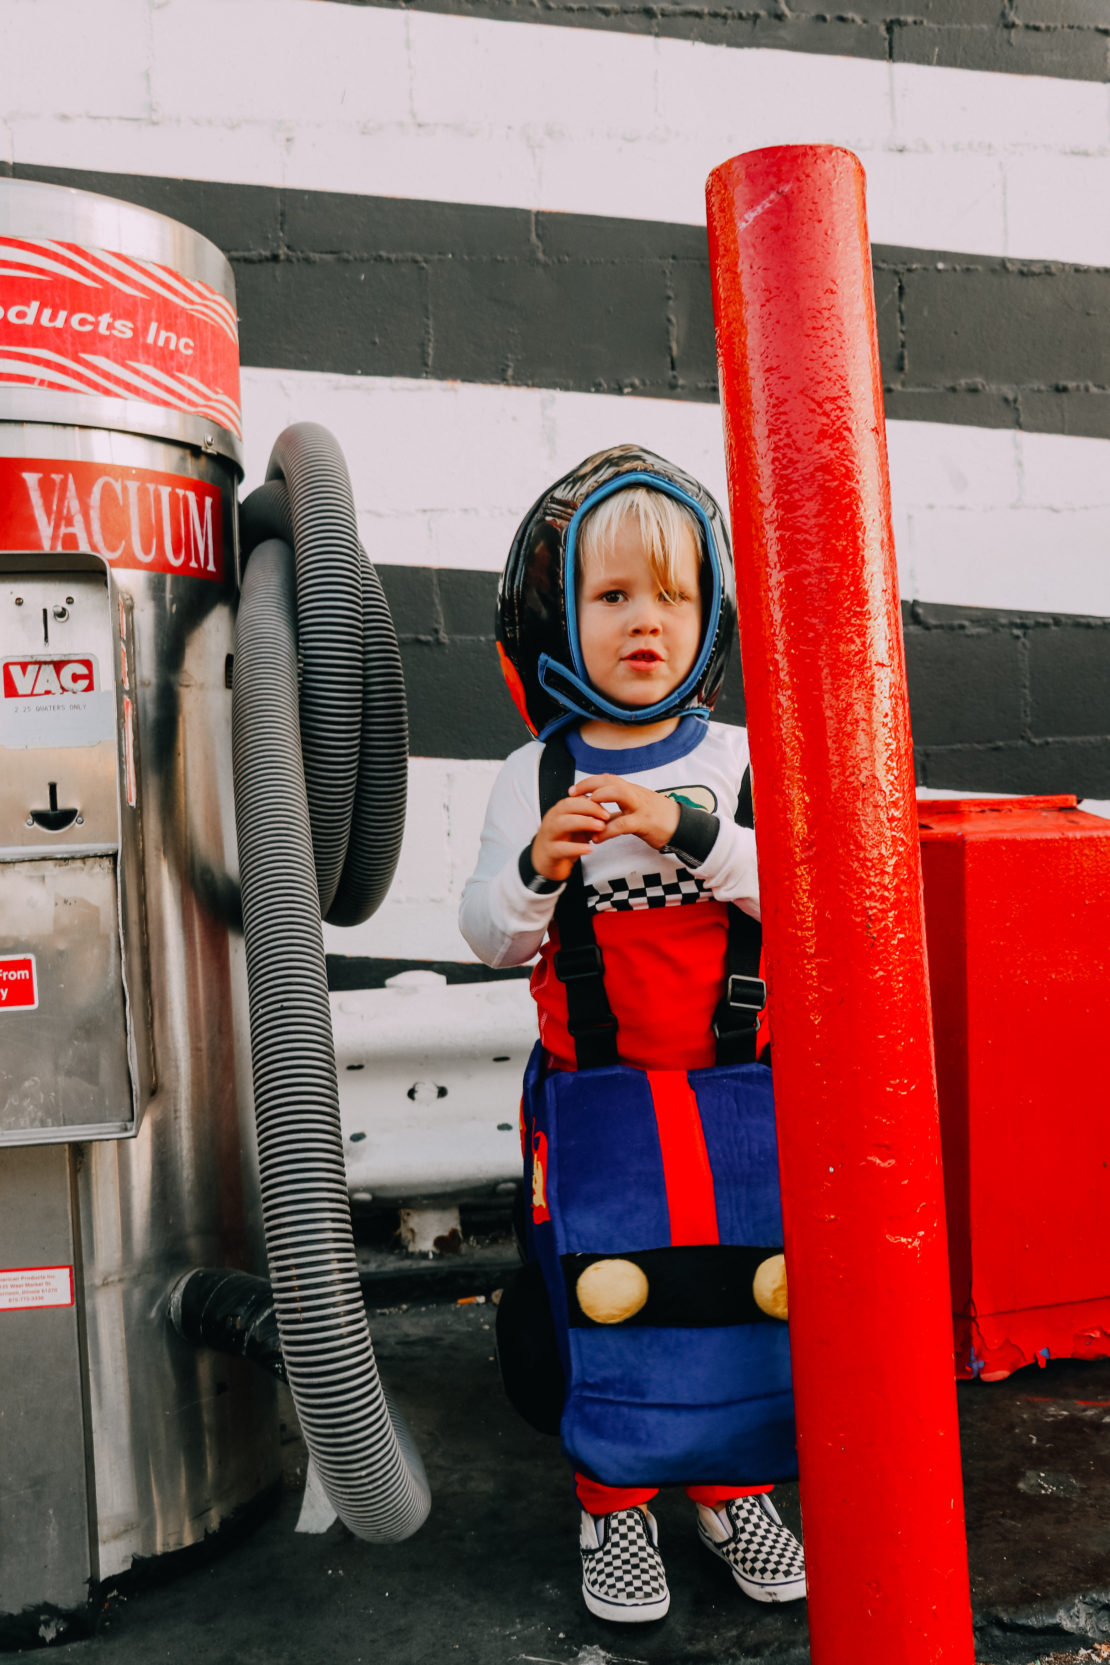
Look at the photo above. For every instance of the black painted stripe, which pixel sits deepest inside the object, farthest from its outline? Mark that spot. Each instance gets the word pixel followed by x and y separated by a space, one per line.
pixel 1065 38
pixel 1000 701
pixel 379 286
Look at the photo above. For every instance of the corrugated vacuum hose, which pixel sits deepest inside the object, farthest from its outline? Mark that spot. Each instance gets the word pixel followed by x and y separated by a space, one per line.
pixel 319 743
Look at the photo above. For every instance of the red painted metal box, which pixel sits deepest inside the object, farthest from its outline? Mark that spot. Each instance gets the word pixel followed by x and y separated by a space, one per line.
pixel 1017 908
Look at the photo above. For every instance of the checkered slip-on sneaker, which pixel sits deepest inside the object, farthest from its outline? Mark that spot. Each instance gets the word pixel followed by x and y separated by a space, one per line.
pixel 622 1570
pixel 765 1557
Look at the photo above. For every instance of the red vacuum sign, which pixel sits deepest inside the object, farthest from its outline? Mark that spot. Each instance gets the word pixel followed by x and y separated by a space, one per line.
pixel 89 321
pixel 131 517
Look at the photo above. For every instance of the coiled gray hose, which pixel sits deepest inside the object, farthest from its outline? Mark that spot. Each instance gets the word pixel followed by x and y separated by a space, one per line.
pixel 354 733
pixel 301 853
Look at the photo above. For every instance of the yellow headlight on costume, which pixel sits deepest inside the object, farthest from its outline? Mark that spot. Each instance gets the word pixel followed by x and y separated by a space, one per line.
pixel 769 1287
pixel 609 1291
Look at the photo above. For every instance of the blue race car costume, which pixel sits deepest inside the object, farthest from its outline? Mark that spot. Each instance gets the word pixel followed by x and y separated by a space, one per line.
pixel 649 1124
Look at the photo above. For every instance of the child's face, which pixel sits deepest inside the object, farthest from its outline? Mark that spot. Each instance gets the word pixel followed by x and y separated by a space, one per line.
pixel 638 644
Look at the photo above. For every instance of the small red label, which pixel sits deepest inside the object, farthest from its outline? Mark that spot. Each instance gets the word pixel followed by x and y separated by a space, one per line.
pixel 129 749
pixel 25 1287
pixel 18 986
pixel 136 518
pixel 34 678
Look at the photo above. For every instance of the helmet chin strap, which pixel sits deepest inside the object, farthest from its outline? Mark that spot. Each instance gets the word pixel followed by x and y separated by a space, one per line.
pixel 582 700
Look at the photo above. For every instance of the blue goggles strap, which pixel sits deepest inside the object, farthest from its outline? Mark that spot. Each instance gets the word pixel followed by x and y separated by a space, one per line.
pixel 584 700
pixel 576 679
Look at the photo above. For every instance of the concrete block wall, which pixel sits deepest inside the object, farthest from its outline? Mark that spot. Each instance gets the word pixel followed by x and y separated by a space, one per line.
pixel 468 236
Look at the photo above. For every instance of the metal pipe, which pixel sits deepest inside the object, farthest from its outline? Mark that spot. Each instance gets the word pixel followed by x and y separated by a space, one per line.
pixel 859 1143
pixel 231 1312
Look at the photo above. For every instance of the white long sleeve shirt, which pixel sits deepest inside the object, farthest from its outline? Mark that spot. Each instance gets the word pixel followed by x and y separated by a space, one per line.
pixel 659 944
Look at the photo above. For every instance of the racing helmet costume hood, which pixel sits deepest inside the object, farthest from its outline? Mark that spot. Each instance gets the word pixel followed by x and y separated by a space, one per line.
pixel 537 630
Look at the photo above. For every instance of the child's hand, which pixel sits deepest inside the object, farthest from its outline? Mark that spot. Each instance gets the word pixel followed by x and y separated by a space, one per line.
pixel 566 831
pixel 647 814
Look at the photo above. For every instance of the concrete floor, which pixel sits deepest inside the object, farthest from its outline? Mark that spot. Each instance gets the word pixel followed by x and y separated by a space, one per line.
pixel 493 1578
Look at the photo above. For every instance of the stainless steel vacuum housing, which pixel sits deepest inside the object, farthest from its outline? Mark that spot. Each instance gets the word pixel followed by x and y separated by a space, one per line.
pixel 127 1146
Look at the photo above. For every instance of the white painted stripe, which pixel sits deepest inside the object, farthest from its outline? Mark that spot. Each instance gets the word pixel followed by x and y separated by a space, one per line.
pixel 444 471
pixel 373 100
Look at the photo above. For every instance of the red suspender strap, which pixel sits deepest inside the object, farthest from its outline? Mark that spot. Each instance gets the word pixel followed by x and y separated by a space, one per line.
pixel 687 1175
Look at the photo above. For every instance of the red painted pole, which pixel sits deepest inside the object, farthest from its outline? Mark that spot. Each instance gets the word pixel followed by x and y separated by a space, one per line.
pixel 855 1084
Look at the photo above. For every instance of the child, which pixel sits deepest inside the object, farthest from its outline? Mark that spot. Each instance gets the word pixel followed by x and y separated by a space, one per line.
pixel 616 615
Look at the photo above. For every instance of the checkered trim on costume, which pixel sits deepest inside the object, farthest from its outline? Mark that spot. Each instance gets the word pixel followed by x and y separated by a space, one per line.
pixel 626 1568
pixel 761 1548
pixel 646 890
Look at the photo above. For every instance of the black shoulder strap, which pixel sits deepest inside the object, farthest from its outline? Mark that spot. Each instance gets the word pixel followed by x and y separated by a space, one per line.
pixel 736 1020
pixel 556 772
pixel 578 963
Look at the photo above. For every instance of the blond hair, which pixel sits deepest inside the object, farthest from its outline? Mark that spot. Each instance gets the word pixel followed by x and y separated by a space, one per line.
pixel 661 520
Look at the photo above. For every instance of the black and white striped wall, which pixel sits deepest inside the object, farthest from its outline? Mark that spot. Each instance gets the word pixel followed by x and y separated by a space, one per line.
pixel 468 236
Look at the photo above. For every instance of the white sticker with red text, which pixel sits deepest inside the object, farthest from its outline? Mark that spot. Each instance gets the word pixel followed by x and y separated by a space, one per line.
pixel 25 1287
pixel 54 699
pixel 19 989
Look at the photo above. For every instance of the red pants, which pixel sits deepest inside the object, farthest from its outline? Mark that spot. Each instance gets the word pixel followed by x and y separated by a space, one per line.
pixel 597 1499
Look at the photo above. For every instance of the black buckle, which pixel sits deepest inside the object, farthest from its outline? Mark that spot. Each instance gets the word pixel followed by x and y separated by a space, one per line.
pixel 745 994
pixel 573 964
pixel 591 1026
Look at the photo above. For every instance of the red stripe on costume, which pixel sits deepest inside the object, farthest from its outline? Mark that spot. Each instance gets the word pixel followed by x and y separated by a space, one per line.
pixel 687 1176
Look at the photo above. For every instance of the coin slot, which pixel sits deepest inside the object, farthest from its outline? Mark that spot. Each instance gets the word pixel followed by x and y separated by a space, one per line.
pixel 54 819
